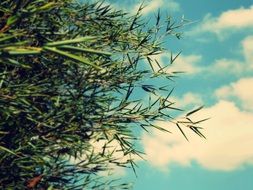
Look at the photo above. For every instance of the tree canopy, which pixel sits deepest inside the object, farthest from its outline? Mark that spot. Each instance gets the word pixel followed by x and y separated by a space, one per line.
pixel 68 72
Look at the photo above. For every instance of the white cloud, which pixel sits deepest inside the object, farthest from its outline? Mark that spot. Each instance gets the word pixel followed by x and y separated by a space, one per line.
pixel 224 92
pixel 240 18
pixel 232 66
pixel 187 63
pixel 228 146
pixel 188 99
pixel 247 44
pixel 191 64
pixel 154 5
pixel 241 90
pixel 227 66
pixel 151 6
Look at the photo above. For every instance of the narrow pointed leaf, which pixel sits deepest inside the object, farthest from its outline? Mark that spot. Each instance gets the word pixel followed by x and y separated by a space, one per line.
pixel 85 50
pixel 72 41
pixel 73 57
pixel 194 111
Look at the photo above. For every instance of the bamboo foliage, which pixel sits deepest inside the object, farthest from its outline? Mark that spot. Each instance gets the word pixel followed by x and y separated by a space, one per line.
pixel 68 74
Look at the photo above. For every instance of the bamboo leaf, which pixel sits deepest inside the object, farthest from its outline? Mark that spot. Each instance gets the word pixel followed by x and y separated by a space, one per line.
pixel 194 111
pixel 73 57
pixel 22 51
pixel 85 50
pixel 72 41
pixel 7 150
pixel 15 63
pixel 6 37
pixel 11 20
pixel 172 59
pixel 47 6
pixel 182 131
pixel 160 128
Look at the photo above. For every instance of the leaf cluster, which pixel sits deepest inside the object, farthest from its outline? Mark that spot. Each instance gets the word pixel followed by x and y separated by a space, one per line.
pixel 68 71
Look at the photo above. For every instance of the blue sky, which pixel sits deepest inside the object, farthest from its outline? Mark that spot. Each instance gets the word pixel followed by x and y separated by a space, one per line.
pixel 217 56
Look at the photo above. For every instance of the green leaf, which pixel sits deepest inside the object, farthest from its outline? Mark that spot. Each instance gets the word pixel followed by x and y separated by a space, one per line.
pixel 16 63
pixel 6 37
pixel 73 57
pixel 194 111
pixel 85 50
pixel 7 150
pixel 72 41
pixel 11 20
pixel 161 128
pixel 4 133
pixel 47 6
pixel 182 131
pixel 22 51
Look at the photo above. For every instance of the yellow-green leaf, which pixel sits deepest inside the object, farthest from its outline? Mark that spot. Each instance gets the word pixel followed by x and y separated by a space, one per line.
pixel 7 150
pixel 73 57
pixel 72 41
pixel 86 50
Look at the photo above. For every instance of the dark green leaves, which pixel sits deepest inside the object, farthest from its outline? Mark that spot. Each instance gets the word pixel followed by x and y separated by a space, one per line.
pixel 71 74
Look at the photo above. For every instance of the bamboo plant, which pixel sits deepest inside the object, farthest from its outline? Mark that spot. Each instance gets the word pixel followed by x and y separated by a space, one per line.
pixel 68 74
